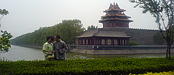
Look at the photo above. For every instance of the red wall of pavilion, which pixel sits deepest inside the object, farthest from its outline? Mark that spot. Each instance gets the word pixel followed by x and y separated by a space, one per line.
pixel 102 41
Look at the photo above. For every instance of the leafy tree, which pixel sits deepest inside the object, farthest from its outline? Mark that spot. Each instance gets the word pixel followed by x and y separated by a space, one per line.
pixel 158 38
pixel 68 30
pixel 163 11
pixel 3 12
pixel 4 39
pixel 92 27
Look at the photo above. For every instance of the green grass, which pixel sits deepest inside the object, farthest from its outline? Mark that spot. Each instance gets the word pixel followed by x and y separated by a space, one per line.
pixel 88 66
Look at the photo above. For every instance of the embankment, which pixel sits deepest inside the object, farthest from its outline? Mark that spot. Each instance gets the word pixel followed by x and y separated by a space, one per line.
pixel 139 49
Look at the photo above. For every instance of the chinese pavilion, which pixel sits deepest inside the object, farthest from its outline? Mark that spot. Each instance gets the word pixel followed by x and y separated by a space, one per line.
pixel 111 33
pixel 115 17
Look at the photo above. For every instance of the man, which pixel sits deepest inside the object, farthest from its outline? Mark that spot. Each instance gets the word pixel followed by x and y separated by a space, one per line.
pixel 59 48
pixel 48 48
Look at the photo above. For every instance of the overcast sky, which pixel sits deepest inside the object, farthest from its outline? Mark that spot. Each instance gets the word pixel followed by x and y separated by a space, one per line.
pixel 26 16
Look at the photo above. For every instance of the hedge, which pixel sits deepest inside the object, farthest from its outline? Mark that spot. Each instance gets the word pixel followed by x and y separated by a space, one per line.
pixel 88 66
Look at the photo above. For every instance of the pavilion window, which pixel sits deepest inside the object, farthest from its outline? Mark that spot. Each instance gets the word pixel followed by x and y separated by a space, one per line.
pixel 109 41
pixel 86 41
pixel 99 42
pixel 110 24
pixel 114 25
pixel 103 41
pixel 79 41
pixel 123 42
pixel 83 41
pixel 115 42
pixel 90 41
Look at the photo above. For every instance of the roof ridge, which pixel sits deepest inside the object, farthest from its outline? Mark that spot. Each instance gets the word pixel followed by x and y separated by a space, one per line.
pixel 114 6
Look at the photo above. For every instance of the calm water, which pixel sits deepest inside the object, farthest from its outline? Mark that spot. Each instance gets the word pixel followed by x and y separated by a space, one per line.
pixel 23 53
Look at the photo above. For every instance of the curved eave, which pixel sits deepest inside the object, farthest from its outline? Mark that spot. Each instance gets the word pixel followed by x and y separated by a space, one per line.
pixel 114 10
pixel 105 36
pixel 111 19
pixel 116 36
pixel 116 15
pixel 83 36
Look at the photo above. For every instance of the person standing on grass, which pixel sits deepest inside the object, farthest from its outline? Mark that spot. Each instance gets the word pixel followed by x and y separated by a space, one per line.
pixel 48 48
pixel 59 48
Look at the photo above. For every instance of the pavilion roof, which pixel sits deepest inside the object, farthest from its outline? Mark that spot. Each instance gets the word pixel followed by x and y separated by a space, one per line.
pixel 88 33
pixel 121 15
pixel 114 7
pixel 104 33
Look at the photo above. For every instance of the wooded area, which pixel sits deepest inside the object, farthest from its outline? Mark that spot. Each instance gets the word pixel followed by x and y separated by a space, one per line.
pixel 68 30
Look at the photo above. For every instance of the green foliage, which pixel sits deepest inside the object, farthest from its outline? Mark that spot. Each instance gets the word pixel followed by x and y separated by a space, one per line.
pixel 158 38
pixel 4 12
pixel 92 27
pixel 163 11
pixel 4 41
pixel 88 66
pixel 68 30
pixel 133 43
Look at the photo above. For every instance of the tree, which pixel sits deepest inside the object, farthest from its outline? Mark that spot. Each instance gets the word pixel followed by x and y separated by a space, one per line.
pixel 92 27
pixel 68 30
pixel 158 38
pixel 163 11
pixel 4 39
pixel 3 12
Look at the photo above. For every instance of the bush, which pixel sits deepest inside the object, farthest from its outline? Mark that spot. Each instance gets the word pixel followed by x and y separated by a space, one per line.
pixel 133 43
pixel 88 66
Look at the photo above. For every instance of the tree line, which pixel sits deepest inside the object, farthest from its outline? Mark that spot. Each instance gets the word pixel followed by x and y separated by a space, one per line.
pixel 68 30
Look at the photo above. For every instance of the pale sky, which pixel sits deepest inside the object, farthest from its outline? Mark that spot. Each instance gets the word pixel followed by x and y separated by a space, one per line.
pixel 26 16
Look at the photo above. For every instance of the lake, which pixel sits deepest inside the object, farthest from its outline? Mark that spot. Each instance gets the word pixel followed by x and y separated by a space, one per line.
pixel 24 53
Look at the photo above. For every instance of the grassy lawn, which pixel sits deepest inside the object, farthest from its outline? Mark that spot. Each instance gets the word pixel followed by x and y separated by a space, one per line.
pixel 89 66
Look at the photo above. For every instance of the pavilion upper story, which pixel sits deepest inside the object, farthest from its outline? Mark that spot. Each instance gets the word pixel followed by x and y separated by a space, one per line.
pixel 115 17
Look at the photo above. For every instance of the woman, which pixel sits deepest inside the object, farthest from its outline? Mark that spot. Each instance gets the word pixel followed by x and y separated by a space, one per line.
pixel 48 48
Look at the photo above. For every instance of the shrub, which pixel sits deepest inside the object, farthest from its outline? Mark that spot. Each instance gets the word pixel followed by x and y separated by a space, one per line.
pixel 133 43
pixel 88 66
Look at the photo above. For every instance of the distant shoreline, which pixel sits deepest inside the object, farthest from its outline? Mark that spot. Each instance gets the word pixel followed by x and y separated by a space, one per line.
pixel 37 47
